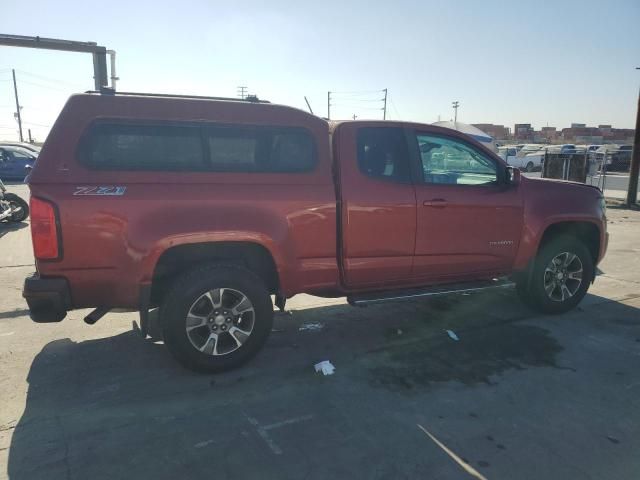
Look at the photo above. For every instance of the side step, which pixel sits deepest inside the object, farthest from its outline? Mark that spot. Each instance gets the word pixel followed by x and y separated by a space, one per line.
pixel 442 289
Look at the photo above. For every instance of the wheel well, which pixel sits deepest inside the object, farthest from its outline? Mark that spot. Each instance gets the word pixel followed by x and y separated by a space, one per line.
pixel 181 258
pixel 586 232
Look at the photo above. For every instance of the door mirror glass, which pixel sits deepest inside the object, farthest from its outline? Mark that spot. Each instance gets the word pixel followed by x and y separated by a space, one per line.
pixel 512 176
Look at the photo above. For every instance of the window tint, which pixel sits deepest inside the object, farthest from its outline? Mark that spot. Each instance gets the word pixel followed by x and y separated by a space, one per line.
pixel 254 149
pixel 449 161
pixel 18 154
pixel 383 153
pixel 144 147
pixel 181 148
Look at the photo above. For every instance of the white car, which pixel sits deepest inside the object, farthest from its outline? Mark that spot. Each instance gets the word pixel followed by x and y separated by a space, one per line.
pixel 528 158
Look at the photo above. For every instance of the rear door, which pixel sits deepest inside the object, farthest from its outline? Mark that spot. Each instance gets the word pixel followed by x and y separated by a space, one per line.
pixel 469 222
pixel 377 205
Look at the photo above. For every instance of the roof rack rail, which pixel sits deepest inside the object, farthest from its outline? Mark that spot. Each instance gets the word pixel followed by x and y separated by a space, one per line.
pixel 111 91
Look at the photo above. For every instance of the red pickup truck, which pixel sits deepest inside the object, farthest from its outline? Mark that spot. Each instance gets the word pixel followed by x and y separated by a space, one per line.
pixel 208 207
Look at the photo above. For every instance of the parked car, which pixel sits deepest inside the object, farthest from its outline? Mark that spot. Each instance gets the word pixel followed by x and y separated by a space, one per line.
pixel 567 148
pixel 528 157
pixel 207 207
pixel 14 162
pixel 34 149
pixel 616 157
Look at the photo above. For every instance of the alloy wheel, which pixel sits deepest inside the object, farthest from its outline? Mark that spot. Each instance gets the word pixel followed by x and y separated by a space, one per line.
pixel 563 276
pixel 220 321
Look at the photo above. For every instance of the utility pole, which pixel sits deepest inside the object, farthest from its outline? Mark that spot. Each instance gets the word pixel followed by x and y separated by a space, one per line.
pixel 355 116
pixel 30 137
pixel 242 92
pixel 455 104
pixel 15 91
pixel 328 105
pixel 632 192
pixel 384 110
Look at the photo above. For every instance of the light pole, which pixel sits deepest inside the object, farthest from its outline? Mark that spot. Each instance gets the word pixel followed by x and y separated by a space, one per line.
pixel 632 192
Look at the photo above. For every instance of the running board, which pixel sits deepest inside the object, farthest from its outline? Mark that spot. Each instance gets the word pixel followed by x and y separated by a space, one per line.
pixel 378 297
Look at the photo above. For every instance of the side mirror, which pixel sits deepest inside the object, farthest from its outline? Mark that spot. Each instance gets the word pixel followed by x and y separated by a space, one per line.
pixel 512 176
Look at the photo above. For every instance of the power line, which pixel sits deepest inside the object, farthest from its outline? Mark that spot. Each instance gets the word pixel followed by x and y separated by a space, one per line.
pixel 49 79
pixel 394 108
pixel 37 124
pixel 28 82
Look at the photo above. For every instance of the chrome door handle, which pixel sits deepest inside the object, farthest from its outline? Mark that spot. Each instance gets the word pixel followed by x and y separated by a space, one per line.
pixel 436 202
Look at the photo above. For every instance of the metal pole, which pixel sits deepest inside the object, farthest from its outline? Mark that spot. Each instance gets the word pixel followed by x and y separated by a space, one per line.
pixel 30 137
pixel 632 193
pixel 328 105
pixel 100 70
pixel 384 113
pixel 15 91
pixel 308 105
pixel 112 64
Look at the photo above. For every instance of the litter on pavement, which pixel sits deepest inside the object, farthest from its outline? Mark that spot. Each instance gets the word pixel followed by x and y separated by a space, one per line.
pixel 326 367
pixel 452 335
pixel 311 327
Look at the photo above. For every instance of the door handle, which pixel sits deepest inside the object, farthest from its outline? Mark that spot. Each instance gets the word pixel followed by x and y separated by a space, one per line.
pixel 436 202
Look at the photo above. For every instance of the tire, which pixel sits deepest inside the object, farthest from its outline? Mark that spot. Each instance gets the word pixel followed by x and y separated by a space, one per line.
pixel 530 167
pixel 196 294
pixel 544 291
pixel 16 201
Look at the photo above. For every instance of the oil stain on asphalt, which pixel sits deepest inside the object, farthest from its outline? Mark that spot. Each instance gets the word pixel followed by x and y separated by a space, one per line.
pixel 480 354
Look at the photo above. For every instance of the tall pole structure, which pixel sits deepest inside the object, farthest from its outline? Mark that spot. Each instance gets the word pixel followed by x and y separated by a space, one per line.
pixel 632 192
pixel 328 105
pixel 384 110
pixel 242 92
pixel 15 91
pixel 308 105
pixel 455 104
pixel 99 53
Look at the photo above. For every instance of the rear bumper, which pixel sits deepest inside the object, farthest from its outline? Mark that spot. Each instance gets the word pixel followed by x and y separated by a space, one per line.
pixel 48 298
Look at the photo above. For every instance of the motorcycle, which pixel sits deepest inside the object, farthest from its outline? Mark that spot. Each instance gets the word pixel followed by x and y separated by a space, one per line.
pixel 12 207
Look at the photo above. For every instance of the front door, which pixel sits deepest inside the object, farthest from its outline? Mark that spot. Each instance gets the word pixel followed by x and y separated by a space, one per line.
pixel 469 222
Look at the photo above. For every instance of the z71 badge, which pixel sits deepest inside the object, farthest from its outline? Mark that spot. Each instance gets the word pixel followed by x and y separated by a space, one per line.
pixel 106 190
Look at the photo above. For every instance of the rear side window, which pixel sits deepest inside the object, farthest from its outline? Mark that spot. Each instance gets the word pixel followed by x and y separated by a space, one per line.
pixel 258 149
pixel 199 147
pixel 144 147
pixel 383 153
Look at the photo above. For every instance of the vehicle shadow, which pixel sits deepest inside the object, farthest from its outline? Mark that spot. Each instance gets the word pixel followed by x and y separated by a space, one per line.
pixel 120 407
pixel 6 228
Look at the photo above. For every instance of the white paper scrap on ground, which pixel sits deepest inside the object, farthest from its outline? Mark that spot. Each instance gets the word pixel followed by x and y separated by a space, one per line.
pixel 326 367
pixel 452 335
pixel 311 326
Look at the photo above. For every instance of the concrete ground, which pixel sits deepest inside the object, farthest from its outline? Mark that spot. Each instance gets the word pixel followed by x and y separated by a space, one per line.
pixel 519 396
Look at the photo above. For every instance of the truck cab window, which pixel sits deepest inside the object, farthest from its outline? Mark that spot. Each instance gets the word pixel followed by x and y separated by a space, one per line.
pixel 453 162
pixel 383 153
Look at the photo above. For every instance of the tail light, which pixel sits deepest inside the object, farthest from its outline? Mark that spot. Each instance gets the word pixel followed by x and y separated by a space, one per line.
pixel 44 229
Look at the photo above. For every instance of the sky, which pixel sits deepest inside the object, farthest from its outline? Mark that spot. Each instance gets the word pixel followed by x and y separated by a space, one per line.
pixel 506 62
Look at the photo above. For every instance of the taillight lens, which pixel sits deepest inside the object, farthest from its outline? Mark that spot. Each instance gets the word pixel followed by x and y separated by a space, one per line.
pixel 44 232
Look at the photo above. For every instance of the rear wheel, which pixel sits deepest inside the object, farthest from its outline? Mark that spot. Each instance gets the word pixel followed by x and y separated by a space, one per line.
pixel 530 167
pixel 19 207
pixel 560 278
pixel 216 318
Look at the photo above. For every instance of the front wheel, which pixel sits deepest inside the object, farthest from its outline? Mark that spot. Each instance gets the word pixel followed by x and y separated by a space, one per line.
pixel 19 207
pixel 560 278
pixel 216 318
pixel 530 167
